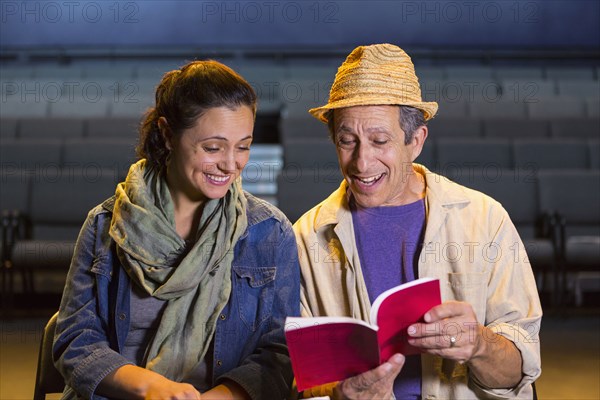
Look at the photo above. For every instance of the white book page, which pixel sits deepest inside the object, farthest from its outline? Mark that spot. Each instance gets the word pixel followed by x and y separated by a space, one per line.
pixel 294 323
pixel 377 303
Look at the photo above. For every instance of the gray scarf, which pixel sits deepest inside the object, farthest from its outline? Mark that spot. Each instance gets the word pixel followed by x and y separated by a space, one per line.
pixel 196 285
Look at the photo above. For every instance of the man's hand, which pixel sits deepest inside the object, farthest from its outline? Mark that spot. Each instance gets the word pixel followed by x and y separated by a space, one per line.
pixel 450 331
pixel 377 383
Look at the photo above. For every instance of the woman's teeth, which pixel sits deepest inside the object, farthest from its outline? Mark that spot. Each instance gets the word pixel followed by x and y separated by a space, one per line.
pixel 218 178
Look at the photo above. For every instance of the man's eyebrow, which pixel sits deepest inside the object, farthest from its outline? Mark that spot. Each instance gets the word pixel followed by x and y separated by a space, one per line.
pixel 344 128
pixel 377 129
pixel 374 129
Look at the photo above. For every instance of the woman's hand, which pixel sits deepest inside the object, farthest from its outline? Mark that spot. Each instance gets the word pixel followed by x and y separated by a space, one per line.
pixel 132 382
pixel 169 390
pixel 226 391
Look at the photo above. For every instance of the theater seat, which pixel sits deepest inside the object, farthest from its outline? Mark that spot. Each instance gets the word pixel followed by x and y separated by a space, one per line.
pixel 455 154
pixel 515 128
pixel 554 108
pixel 8 128
pixel 524 210
pixel 300 189
pixel 547 154
pixel 440 127
pixel 295 128
pixel 310 153
pixel 576 128
pixel 59 206
pixel 575 196
pixel 46 128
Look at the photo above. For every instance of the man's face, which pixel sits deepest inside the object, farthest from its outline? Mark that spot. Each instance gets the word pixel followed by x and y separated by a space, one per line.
pixel 373 157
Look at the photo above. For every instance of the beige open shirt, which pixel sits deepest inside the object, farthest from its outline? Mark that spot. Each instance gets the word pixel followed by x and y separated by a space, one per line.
pixel 470 244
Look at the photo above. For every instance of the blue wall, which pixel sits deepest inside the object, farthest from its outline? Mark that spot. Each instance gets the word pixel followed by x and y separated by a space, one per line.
pixel 479 24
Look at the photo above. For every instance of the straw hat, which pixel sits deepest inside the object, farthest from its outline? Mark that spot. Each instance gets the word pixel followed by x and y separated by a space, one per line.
pixel 379 74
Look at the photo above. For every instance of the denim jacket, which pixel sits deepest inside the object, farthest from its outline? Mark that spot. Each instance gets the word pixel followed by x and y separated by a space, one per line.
pixel 249 342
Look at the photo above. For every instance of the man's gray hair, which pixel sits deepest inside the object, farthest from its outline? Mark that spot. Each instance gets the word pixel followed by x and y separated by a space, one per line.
pixel 410 120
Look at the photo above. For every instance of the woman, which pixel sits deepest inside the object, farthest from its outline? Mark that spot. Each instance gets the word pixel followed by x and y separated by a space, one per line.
pixel 181 282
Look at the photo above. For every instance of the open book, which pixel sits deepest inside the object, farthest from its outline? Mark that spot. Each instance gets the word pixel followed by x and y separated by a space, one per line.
pixel 329 349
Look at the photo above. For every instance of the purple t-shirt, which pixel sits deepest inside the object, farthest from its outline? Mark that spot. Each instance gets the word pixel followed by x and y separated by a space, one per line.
pixel 389 241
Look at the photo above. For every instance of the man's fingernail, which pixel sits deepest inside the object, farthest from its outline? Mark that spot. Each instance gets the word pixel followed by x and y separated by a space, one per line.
pixel 427 317
pixel 412 330
pixel 397 358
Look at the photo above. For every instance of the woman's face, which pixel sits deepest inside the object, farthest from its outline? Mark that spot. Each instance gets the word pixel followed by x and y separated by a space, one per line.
pixel 207 158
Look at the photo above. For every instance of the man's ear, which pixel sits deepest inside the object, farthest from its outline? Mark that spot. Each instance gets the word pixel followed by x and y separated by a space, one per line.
pixel 418 141
pixel 165 131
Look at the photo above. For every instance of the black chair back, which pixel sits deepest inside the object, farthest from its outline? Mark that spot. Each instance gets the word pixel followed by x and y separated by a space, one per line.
pixel 48 379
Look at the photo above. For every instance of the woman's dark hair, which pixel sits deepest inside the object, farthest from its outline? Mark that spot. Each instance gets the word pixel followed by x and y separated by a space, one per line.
pixel 183 95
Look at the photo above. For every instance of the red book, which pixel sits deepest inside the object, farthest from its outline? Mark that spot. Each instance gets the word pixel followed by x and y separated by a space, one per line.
pixel 329 349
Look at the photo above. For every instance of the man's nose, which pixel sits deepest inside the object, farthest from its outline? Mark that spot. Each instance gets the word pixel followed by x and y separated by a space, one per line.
pixel 362 157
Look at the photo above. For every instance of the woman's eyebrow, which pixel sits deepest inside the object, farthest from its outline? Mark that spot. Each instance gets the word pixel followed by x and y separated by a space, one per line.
pixel 223 138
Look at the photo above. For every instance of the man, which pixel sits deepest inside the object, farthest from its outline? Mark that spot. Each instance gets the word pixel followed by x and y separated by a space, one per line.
pixel 392 221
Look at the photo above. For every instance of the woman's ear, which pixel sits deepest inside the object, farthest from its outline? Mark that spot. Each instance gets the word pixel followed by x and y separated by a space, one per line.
pixel 165 131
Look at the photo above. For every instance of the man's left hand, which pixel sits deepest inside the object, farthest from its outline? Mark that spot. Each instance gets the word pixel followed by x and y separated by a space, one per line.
pixel 450 331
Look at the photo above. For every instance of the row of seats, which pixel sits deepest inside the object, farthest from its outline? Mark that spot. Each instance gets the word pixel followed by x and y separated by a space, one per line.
pixel 575 194
pixel 462 107
pixel 293 70
pixel 305 127
pixel 555 211
pixel 80 107
pixel 527 90
pixel 41 217
pixel 447 154
pixel 46 158
pixel 290 90
pixel 558 217
pixel 54 205
pixel 62 128
pixel 115 95
pixel 48 186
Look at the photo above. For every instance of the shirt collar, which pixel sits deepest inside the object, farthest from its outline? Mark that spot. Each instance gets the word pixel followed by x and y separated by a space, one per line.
pixel 439 193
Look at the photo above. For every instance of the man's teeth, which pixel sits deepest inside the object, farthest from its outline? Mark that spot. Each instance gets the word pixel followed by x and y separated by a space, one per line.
pixel 218 178
pixel 370 180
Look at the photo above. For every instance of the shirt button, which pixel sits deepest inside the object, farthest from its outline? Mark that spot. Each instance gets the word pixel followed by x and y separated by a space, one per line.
pixel 219 363
pixel 223 317
pixel 122 316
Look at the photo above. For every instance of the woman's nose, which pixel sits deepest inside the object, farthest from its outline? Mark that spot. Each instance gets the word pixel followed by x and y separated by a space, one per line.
pixel 228 163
